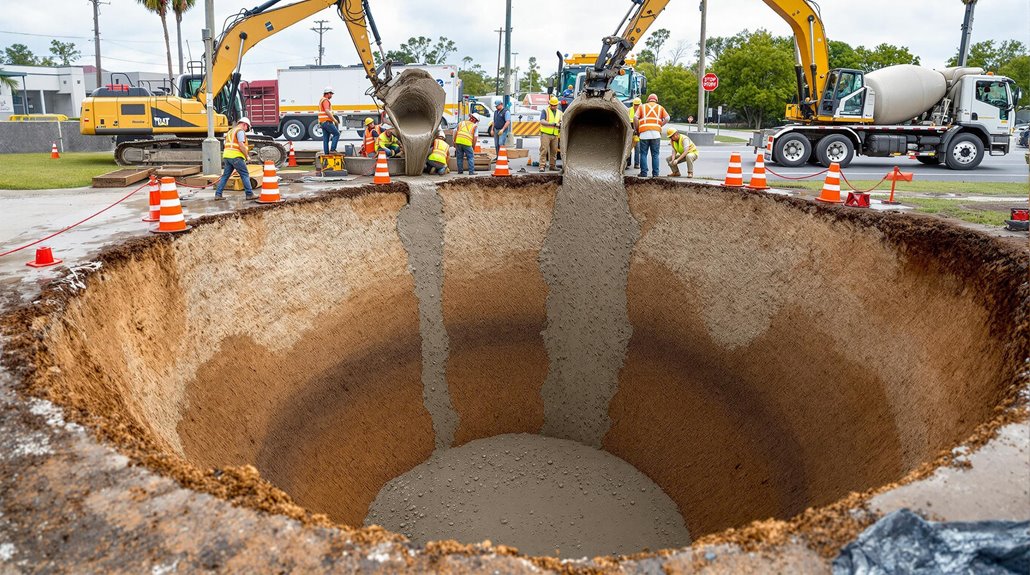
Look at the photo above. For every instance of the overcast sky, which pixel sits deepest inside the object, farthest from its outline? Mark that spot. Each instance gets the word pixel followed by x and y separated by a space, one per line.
pixel 132 38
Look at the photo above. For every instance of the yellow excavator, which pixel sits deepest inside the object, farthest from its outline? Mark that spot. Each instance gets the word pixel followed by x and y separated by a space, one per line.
pixel 134 115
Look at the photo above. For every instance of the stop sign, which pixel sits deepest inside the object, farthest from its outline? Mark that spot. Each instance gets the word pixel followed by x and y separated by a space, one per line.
pixel 710 82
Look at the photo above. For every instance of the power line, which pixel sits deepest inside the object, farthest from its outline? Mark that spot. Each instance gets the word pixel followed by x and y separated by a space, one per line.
pixel 77 37
pixel 322 29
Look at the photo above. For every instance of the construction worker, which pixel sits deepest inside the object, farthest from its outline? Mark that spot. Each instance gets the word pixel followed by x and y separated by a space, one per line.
pixel 568 93
pixel 635 154
pixel 368 140
pixel 234 157
pixel 502 118
pixel 650 119
pixel 327 120
pixel 436 163
pixel 683 150
pixel 550 129
pixel 464 144
pixel 388 142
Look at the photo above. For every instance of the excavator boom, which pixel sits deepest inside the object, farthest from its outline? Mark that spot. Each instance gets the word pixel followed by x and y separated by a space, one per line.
pixel 811 53
pixel 614 49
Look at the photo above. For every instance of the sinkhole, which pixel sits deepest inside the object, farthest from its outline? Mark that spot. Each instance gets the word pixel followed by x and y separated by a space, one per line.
pixel 429 359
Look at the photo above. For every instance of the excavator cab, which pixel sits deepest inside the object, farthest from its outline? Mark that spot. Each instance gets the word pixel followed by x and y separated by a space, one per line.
pixel 227 101
pixel 844 97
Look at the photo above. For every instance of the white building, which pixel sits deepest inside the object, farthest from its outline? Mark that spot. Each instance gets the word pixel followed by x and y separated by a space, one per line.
pixel 42 90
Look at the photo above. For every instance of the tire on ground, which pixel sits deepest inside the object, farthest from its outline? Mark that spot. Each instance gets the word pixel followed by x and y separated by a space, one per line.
pixel 965 152
pixel 295 130
pixel 835 148
pixel 792 150
pixel 315 130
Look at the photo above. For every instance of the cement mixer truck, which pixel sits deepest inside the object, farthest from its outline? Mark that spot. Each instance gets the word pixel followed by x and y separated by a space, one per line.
pixel 954 116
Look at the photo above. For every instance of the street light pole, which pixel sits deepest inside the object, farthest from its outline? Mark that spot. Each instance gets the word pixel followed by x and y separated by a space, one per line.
pixel 701 70
pixel 497 76
pixel 507 54
pixel 210 148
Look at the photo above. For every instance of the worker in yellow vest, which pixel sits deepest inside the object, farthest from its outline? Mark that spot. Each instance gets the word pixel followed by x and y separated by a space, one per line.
pixel 387 142
pixel 650 119
pixel 550 129
pixel 328 121
pixel 634 155
pixel 683 150
pixel 436 163
pixel 234 157
pixel 465 142
pixel 368 140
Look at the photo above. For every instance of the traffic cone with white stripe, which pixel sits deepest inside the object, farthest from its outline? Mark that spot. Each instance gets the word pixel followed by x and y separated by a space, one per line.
pixel 382 173
pixel 734 174
pixel 292 158
pixel 758 181
pixel 54 155
pixel 155 201
pixel 172 219
pixel 831 186
pixel 270 185
pixel 501 168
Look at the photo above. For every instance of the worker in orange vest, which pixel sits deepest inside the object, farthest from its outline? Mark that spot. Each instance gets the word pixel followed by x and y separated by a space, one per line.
pixel 328 121
pixel 235 158
pixel 650 119
pixel 368 141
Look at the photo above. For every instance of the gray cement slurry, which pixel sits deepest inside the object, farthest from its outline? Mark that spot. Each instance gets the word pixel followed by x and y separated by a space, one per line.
pixel 545 496
pixel 414 102
pixel 420 226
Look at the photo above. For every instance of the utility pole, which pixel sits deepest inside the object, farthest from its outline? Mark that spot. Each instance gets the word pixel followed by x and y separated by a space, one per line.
pixel 507 54
pixel 209 149
pixel 701 69
pixel 515 64
pixel 497 76
pixel 322 29
pixel 96 39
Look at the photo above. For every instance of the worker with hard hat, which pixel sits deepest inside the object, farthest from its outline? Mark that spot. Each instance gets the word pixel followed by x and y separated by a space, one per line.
pixel 568 93
pixel 502 118
pixel 683 150
pixel 327 120
pixel 634 155
pixel 234 158
pixel 649 121
pixel 465 142
pixel 436 163
pixel 550 129
pixel 368 139
pixel 388 142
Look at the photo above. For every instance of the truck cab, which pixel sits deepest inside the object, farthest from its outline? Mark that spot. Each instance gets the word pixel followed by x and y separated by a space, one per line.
pixel 987 103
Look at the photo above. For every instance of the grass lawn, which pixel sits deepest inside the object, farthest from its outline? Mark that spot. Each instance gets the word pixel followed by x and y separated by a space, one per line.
pixel 1015 189
pixel 964 211
pixel 39 172
pixel 729 140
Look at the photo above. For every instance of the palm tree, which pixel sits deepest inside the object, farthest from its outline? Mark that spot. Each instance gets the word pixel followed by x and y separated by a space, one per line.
pixel 8 81
pixel 180 6
pixel 160 7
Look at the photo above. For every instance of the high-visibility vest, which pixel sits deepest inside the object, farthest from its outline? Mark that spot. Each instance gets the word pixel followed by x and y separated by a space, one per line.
pixel 368 144
pixel 632 114
pixel 233 147
pixel 324 116
pixel 677 146
pixel 439 153
pixel 649 117
pixel 553 116
pixel 463 136
pixel 385 141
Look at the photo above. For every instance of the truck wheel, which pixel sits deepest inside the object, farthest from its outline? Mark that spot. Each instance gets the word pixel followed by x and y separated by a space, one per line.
pixel 835 148
pixel 792 150
pixel 928 160
pixel 315 130
pixel 965 152
pixel 294 130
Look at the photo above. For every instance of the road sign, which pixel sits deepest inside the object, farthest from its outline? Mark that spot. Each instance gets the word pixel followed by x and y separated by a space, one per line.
pixel 710 82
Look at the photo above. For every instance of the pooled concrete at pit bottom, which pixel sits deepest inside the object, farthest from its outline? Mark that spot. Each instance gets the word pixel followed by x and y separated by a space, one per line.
pixel 286 372
pixel 414 103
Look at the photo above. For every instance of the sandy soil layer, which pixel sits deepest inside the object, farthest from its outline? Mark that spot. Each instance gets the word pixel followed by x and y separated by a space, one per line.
pixel 544 496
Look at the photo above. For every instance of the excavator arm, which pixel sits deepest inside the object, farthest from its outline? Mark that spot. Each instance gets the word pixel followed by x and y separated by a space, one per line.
pixel 811 52
pixel 615 48
pixel 252 26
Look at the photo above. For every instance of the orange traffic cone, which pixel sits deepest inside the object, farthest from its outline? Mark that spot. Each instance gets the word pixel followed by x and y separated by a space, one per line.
pixel 155 201
pixel 477 149
pixel 270 186
pixel 734 175
pixel 44 258
pixel 758 181
pixel 53 152
pixel 172 219
pixel 501 168
pixel 382 174
pixel 831 186
pixel 292 159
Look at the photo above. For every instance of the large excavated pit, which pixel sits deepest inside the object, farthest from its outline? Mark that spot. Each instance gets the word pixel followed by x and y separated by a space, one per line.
pixel 588 367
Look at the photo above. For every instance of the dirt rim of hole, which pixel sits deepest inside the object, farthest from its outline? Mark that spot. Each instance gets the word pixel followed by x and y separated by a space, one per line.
pixel 994 270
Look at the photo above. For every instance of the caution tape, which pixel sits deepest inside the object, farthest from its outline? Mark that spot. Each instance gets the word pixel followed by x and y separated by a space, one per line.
pixel 82 221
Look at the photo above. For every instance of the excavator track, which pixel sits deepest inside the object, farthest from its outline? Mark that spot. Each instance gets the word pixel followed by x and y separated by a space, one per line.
pixel 188 151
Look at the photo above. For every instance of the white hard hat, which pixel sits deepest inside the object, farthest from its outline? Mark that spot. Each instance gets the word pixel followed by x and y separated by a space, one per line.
pixel 245 120
pixel 328 90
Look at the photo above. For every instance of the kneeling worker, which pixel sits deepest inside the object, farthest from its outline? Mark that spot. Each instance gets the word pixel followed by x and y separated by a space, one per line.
pixel 437 161
pixel 387 142
pixel 464 144
pixel 683 150
pixel 235 158
pixel 368 140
